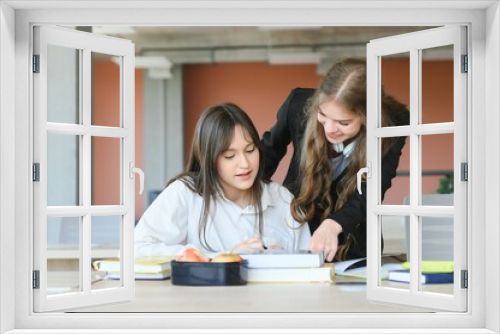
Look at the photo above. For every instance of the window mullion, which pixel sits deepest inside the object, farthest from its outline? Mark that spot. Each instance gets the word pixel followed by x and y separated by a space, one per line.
pixel 415 167
pixel 80 130
pixel 434 129
pixel 422 129
pixel 86 177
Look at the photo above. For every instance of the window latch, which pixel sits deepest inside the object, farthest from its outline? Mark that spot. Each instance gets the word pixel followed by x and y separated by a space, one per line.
pixel 133 170
pixel 368 171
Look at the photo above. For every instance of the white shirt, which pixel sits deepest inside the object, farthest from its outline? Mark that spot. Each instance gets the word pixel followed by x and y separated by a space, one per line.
pixel 172 221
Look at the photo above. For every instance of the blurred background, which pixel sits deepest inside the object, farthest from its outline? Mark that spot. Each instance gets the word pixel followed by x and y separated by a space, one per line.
pixel 180 71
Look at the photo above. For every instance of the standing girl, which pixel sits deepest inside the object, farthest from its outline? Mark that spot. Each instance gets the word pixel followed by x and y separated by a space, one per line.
pixel 221 202
pixel 328 129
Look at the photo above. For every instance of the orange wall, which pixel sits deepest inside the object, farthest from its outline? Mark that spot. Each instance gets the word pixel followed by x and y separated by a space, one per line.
pixel 437 106
pixel 106 151
pixel 261 88
pixel 258 88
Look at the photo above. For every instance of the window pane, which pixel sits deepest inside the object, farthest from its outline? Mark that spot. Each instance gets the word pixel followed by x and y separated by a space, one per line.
pixel 395 71
pixel 63 255
pixel 437 245
pixel 105 90
pixel 63 170
pixel 106 167
pixel 400 184
pixel 105 244
pixel 437 85
pixel 437 167
pixel 63 85
pixel 395 231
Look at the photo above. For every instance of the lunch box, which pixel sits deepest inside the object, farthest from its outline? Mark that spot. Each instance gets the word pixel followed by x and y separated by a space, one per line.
pixel 208 273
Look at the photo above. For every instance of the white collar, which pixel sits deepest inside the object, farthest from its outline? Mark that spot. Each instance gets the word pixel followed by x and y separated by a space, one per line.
pixel 346 151
pixel 267 198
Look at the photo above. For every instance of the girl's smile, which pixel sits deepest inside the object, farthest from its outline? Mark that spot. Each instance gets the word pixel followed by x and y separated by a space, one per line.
pixel 339 124
pixel 333 136
pixel 238 166
pixel 244 176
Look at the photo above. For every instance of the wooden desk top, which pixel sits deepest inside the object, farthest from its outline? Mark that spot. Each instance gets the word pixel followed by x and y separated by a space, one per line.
pixel 162 296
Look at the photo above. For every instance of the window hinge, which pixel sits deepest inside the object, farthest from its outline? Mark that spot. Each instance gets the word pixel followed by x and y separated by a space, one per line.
pixel 36 279
pixel 36 63
pixel 465 64
pixel 465 279
pixel 36 172
pixel 464 171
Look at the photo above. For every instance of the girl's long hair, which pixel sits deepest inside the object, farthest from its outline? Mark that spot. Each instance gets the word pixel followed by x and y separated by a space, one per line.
pixel 213 135
pixel 345 83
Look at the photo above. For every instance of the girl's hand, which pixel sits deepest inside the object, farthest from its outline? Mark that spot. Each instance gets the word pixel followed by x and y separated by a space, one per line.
pixel 272 243
pixel 325 238
pixel 249 245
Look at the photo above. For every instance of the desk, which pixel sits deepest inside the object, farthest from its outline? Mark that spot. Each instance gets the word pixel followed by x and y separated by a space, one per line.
pixel 162 296
pixel 63 257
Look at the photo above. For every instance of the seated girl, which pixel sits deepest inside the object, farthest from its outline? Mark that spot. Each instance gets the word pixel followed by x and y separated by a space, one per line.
pixel 222 202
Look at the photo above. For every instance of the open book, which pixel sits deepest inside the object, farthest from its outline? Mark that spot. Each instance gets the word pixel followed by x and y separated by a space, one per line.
pixel 357 267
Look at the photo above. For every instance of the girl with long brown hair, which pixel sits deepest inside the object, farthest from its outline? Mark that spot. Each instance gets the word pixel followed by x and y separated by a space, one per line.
pixel 327 127
pixel 222 202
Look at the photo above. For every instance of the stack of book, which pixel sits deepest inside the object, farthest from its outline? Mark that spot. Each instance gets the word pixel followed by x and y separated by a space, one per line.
pixel 432 272
pixel 145 267
pixel 282 266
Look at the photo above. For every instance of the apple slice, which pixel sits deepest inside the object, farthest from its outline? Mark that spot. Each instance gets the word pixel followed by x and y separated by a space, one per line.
pixel 192 255
pixel 227 258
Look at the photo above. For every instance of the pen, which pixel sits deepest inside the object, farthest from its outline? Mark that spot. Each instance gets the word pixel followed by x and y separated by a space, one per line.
pixel 350 283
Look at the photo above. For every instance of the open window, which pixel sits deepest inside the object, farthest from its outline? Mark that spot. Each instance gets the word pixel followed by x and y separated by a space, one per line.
pixel 67 133
pixel 17 215
pixel 446 218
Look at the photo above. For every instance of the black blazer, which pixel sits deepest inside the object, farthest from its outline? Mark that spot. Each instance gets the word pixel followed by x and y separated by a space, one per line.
pixel 290 127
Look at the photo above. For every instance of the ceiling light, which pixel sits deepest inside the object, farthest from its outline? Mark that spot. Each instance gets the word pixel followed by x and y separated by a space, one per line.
pixel 159 73
pixel 148 61
pixel 158 66
pixel 294 58
pixel 152 61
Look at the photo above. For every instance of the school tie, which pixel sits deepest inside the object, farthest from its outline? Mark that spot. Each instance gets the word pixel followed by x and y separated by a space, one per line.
pixel 341 161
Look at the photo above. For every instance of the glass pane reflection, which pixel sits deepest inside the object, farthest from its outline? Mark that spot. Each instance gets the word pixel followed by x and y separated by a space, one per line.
pixel 63 79
pixel 63 170
pixel 63 255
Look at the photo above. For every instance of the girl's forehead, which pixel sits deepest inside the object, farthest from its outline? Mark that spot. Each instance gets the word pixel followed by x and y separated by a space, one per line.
pixel 240 135
pixel 332 109
pixel 240 131
pixel 322 98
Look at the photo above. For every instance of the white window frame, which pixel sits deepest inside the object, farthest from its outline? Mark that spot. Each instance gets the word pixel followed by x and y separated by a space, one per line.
pixel 483 20
pixel 414 44
pixel 85 43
